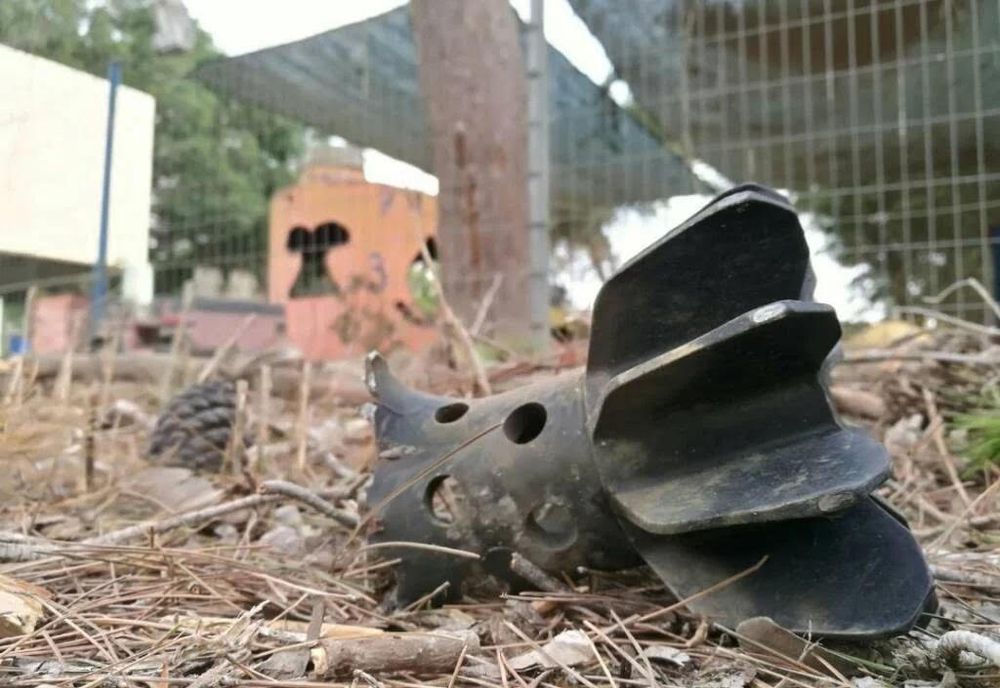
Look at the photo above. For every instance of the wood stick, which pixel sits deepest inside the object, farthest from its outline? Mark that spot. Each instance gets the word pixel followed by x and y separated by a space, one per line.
pixel 530 572
pixel 109 358
pixel 150 368
pixel 32 377
pixel 90 442
pixel 14 382
pixel 301 494
pixel 234 450
pixel 987 493
pixel 451 320
pixel 28 324
pixel 176 339
pixel 950 320
pixel 973 284
pixel 302 424
pixel 936 424
pixel 874 355
pixel 17 547
pixel 484 305
pixel 64 379
pixel 180 520
pixel 422 653
pixel 264 407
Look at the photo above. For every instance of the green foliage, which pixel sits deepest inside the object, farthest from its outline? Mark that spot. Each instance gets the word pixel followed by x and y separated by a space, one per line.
pixel 983 429
pixel 216 162
pixel 420 279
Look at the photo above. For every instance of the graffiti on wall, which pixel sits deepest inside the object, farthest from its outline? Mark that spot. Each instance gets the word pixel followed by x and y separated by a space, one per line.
pixel 345 259
pixel 360 320
pixel 313 278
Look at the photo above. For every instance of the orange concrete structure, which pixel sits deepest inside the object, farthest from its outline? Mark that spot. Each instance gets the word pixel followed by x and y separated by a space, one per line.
pixel 56 322
pixel 340 253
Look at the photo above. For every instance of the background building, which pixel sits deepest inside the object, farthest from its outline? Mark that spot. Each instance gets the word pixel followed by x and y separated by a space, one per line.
pixel 52 136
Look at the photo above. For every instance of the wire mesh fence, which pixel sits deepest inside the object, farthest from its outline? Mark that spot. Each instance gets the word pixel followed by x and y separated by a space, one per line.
pixel 881 118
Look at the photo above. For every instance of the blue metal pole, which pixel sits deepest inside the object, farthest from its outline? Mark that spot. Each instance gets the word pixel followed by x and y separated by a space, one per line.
pixel 99 285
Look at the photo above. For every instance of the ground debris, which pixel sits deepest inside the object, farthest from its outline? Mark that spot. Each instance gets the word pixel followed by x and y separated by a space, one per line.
pixel 156 577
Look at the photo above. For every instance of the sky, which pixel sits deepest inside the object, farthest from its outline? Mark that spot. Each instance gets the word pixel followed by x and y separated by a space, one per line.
pixel 240 26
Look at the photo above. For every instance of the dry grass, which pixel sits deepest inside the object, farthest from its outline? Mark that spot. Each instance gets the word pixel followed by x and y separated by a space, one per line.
pixel 213 601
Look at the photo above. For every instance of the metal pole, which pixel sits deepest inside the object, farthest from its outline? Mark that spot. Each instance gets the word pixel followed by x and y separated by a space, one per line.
pixel 538 176
pixel 99 285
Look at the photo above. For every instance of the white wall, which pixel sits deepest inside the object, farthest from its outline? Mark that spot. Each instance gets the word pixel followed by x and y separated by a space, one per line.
pixel 52 134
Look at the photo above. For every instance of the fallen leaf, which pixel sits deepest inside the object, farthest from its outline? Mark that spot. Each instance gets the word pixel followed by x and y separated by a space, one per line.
pixel 762 636
pixel 20 606
pixel 667 654
pixel 569 648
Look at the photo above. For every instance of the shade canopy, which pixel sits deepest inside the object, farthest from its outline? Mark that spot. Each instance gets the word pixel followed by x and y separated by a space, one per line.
pixel 361 82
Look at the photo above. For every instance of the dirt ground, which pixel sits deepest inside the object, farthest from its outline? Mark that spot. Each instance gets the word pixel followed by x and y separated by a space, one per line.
pixel 118 571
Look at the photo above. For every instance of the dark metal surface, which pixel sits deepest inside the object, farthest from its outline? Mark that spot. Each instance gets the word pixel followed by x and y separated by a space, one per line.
pixel 536 497
pixel 858 573
pixel 699 437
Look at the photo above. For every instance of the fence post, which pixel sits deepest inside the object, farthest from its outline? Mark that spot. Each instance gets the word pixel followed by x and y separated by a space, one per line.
pixel 538 176
pixel 99 284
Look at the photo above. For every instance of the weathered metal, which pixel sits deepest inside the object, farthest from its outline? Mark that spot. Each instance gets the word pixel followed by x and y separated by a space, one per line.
pixel 699 439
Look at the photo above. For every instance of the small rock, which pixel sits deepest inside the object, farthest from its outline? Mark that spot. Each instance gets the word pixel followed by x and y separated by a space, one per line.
pixel 867 682
pixel 327 436
pixel 288 515
pixel 227 533
pixel 357 430
pixel 904 434
pixel 284 540
pixel 286 665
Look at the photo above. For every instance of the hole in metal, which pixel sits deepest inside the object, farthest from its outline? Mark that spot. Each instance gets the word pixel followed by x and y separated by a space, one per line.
pixel 552 524
pixel 444 498
pixel 525 423
pixel 451 412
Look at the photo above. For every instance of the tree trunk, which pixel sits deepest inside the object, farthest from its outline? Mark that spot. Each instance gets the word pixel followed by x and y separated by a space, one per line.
pixel 473 80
